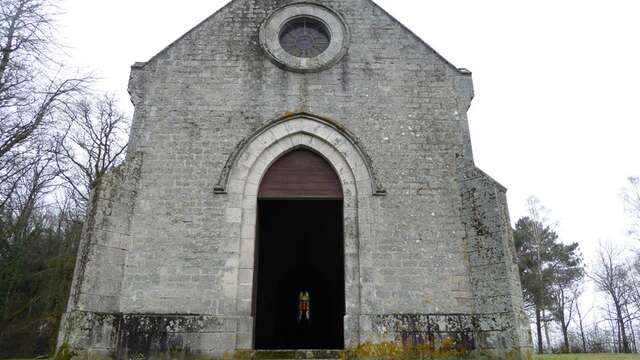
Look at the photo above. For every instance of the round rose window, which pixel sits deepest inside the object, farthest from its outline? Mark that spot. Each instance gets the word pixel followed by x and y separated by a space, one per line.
pixel 305 37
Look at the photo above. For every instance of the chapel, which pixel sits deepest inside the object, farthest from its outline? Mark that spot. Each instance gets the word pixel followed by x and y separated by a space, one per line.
pixel 300 177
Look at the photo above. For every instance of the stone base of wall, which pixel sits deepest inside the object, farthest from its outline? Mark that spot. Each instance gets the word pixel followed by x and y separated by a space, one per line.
pixel 126 336
pixel 479 333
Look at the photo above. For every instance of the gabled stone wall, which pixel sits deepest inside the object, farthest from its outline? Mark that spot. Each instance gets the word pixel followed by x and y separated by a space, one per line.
pixel 170 238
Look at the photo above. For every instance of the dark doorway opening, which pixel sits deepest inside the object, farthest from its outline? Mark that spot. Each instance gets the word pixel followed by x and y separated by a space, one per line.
pixel 299 298
pixel 300 250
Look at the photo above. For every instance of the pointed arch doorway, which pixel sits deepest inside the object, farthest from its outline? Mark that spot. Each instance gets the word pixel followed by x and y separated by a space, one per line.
pixel 299 251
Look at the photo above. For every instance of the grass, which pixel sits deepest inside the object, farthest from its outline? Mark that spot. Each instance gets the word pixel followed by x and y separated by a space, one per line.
pixel 590 357
pixel 607 356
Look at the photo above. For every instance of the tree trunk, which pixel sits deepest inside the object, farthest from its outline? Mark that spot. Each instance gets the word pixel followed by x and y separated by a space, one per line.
pixel 632 346
pixel 546 331
pixel 633 337
pixel 539 330
pixel 584 340
pixel 6 50
pixel 617 340
pixel 565 335
pixel 622 334
pixel 564 325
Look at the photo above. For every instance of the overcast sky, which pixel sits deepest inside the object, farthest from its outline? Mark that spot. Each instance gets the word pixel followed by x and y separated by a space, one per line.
pixel 556 107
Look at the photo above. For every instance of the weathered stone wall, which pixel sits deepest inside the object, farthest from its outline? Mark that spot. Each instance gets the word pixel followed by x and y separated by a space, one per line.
pixel 211 89
pixel 100 265
pixel 178 248
pixel 493 268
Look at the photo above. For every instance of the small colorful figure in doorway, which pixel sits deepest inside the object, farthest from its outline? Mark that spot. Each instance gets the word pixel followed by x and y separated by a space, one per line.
pixel 304 306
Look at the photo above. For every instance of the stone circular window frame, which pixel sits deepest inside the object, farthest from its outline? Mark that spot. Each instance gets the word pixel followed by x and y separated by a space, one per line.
pixel 339 34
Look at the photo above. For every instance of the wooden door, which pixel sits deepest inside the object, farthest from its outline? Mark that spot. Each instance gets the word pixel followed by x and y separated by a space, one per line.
pixel 299 174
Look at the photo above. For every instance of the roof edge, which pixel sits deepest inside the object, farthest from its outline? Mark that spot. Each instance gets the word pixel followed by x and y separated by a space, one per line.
pixel 461 71
pixel 481 173
pixel 143 64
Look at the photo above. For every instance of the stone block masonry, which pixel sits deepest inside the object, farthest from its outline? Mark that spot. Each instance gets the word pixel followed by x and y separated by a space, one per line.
pixel 167 259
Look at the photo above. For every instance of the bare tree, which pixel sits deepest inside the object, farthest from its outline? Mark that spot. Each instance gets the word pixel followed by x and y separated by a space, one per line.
pixel 536 209
pixel 630 316
pixel 33 187
pixel 28 190
pixel 32 91
pixel 611 276
pixel 633 309
pixel 36 245
pixel 564 305
pixel 95 142
pixel 568 271
pixel 18 213
pixel 631 197
pixel 28 95
pixel 581 315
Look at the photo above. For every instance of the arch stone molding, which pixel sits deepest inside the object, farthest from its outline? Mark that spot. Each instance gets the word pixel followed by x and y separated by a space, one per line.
pixel 223 182
pixel 241 211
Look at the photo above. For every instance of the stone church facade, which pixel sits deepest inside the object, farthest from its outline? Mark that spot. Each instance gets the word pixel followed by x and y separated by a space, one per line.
pixel 169 259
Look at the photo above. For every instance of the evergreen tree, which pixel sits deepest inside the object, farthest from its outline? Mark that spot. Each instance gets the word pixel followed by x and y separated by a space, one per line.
pixel 545 265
